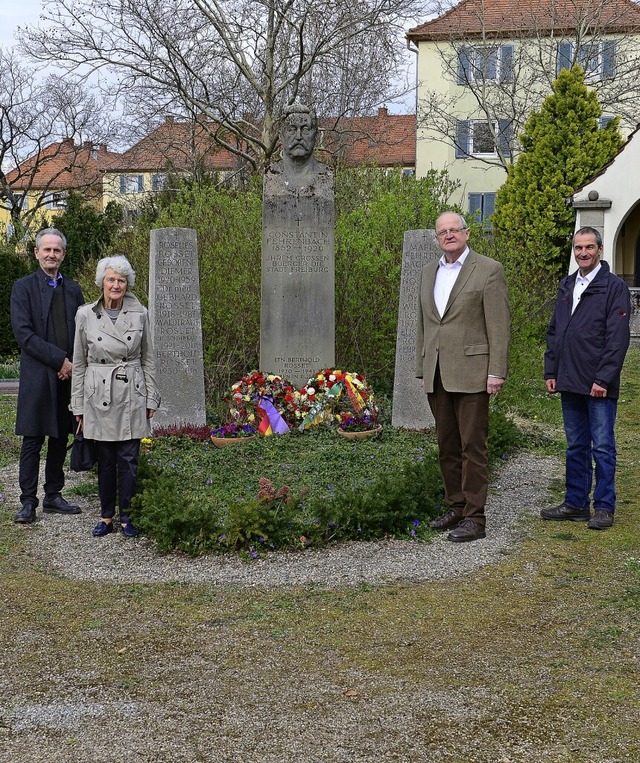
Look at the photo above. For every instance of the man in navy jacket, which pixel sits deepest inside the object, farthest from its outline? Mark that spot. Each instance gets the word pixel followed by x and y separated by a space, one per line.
pixel 587 341
pixel 43 311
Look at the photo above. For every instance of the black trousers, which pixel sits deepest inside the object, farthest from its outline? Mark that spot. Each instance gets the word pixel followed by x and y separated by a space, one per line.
pixel 56 454
pixel 117 476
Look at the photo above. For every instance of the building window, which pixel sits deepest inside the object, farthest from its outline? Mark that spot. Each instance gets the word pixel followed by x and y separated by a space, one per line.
pixel 158 182
pixel 604 121
pixel 481 207
pixel 131 183
pixel 478 137
pixel 597 58
pixel 55 201
pixel 486 64
pixel 22 202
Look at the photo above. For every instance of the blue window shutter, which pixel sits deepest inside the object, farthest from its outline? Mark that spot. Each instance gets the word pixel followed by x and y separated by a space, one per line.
pixel 489 205
pixel 140 183
pixel 506 63
pixel 504 136
pixel 608 59
pixel 464 64
pixel 475 205
pixel 123 184
pixel 565 54
pixel 462 138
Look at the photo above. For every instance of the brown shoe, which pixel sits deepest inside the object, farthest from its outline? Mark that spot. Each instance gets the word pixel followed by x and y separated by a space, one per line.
pixel 566 512
pixel 450 519
pixel 467 530
pixel 601 520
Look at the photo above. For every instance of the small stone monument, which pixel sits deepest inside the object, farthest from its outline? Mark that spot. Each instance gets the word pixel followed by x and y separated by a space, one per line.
pixel 297 318
pixel 410 407
pixel 174 308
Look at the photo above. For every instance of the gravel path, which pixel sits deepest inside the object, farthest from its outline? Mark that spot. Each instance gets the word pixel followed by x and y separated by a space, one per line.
pixel 65 545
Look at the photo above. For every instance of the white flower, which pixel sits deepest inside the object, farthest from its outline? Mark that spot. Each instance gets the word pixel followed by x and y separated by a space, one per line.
pixel 311 391
pixel 332 377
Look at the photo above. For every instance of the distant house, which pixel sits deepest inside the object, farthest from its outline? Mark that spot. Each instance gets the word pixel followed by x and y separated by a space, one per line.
pixel 41 182
pixel 484 65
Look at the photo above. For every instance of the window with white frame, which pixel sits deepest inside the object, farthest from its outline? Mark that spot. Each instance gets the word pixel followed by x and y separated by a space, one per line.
pixel 485 64
pixel 480 137
pixel 131 183
pixel 482 206
pixel 22 201
pixel 55 201
pixel 596 57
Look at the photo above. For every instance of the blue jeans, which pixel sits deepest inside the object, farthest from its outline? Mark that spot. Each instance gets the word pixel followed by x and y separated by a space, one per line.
pixel 589 428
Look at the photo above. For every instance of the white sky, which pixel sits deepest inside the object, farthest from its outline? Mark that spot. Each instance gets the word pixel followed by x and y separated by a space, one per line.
pixel 14 13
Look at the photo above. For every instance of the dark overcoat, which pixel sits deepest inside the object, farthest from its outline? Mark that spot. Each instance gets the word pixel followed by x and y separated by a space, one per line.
pixel 40 356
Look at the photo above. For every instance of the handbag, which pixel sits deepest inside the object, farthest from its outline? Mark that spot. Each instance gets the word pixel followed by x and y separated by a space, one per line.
pixel 84 453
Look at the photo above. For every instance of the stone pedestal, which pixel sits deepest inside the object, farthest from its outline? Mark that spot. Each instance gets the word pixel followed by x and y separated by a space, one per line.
pixel 297 318
pixel 174 307
pixel 410 406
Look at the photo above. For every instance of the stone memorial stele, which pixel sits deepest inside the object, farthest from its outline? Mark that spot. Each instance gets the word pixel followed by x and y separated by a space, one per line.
pixel 410 407
pixel 297 314
pixel 176 320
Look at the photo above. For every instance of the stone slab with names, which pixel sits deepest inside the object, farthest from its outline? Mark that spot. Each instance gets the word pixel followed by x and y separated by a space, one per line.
pixel 174 308
pixel 410 407
pixel 297 315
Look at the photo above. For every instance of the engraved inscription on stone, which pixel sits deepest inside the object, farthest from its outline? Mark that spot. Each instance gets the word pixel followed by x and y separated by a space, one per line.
pixel 297 321
pixel 174 306
pixel 410 406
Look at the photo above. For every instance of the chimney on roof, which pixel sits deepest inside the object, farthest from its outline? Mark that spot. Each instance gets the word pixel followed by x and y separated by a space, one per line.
pixel 102 148
pixel 88 145
pixel 67 142
pixel 169 119
pixel 383 111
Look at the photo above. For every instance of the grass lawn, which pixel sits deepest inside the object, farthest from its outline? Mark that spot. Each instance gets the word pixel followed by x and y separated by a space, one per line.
pixel 534 659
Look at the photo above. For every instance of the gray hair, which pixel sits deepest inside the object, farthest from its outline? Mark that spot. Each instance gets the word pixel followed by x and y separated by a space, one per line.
pixel 588 230
pixel 51 232
pixel 463 222
pixel 120 265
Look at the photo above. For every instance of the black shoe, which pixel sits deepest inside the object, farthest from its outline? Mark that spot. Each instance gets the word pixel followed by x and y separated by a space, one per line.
pixel 467 530
pixel 27 514
pixel 601 520
pixel 58 505
pixel 566 512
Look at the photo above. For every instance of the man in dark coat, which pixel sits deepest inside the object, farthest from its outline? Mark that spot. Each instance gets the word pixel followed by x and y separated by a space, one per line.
pixel 43 309
pixel 587 341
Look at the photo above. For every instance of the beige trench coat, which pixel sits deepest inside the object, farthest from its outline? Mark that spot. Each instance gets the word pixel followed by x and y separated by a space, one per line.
pixel 113 380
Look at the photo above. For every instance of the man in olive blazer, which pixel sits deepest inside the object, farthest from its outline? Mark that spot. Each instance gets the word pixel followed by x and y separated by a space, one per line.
pixel 461 358
pixel 43 310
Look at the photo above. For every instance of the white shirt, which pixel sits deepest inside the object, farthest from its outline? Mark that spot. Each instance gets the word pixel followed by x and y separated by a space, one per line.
pixel 581 284
pixel 445 280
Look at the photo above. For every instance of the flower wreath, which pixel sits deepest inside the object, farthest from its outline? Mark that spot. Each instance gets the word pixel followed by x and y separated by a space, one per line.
pixel 266 401
pixel 335 395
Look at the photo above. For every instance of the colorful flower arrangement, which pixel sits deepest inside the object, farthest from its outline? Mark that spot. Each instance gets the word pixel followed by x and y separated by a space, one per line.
pixel 335 396
pixel 265 401
pixel 234 429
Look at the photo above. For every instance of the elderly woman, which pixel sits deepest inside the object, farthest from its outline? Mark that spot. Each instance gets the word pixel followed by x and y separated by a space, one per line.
pixel 113 390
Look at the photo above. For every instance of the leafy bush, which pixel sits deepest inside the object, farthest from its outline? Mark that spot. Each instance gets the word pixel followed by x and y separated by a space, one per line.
pixel 12 267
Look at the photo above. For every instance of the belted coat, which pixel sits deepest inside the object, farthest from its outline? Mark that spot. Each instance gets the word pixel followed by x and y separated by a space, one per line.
pixel 113 380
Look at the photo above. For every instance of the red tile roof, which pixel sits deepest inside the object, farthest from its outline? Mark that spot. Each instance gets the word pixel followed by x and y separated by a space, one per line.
pixel 61 166
pixel 385 140
pixel 514 18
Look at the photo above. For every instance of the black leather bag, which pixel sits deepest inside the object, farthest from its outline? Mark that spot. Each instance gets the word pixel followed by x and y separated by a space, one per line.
pixel 83 453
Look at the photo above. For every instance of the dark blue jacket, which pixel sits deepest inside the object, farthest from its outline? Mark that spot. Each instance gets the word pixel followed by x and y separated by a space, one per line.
pixel 590 345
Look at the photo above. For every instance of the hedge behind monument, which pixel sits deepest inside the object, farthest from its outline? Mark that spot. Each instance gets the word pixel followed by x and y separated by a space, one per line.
pixel 12 267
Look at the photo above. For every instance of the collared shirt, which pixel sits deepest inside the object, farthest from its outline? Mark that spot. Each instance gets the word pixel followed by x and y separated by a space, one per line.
pixel 54 281
pixel 581 284
pixel 445 280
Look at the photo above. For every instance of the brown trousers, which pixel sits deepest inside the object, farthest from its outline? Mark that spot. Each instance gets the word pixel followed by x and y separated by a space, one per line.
pixel 462 427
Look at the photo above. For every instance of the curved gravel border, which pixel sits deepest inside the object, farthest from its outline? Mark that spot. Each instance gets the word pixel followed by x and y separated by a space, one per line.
pixel 65 545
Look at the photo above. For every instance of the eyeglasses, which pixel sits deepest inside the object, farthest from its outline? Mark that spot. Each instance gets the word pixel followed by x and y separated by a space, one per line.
pixel 455 231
